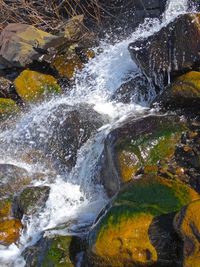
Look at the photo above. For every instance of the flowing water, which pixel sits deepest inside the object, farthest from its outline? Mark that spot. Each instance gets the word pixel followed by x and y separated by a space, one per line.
pixel 74 196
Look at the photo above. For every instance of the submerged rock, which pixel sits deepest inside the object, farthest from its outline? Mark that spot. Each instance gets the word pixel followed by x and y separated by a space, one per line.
pixel 32 86
pixel 30 201
pixel 169 52
pixel 53 251
pixel 137 229
pixel 187 224
pixel 184 92
pixel 138 145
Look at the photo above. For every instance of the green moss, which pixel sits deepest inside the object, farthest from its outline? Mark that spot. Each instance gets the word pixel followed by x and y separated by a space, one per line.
pixel 7 107
pixel 58 253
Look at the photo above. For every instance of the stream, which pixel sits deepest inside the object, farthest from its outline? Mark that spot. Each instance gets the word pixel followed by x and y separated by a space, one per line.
pixel 74 195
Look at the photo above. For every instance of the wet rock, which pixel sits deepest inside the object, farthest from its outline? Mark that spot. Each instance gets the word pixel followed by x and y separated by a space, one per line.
pixel 168 51
pixel 32 86
pixel 9 231
pixel 20 44
pixel 136 89
pixel 8 107
pixel 187 224
pixel 12 180
pixel 184 92
pixel 53 251
pixel 67 129
pixel 137 229
pixel 137 146
pixel 30 201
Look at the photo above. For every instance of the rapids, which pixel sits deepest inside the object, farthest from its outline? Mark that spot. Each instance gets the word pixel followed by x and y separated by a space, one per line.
pixel 74 195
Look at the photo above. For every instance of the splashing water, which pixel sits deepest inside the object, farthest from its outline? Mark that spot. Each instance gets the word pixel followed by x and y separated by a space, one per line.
pixel 74 196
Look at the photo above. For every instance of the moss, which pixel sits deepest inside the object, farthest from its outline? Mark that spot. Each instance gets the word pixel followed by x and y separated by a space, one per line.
pixel 5 208
pixel 122 237
pixel 32 86
pixel 147 150
pixel 58 253
pixel 187 85
pixel 7 107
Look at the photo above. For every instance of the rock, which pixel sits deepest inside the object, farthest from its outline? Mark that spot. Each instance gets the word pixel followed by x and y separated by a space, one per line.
pixel 138 145
pixel 183 93
pixel 135 90
pixel 12 180
pixel 8 107
pixel 21 44
pixel 71 60
pixel 168 52
pixel 187 224
pixel 67 128
pixel 137 229
pixel 32 86
pixel 9 231
pixel 5 85
pixel 30 201
pixel 53 251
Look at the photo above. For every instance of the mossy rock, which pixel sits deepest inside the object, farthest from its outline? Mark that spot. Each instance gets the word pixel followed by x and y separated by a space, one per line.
pixel 137 230
pixel 32 86
pixel 5 208
pixel 9 231
pixel 187 224
pixel 8 107
pixel 184 92
pixel 30 201
pixel 54 251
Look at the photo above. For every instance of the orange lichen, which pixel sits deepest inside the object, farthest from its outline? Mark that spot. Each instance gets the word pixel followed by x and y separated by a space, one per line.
pixel 128 241
pixel 32 85
pixel 187 223
pixel 9 231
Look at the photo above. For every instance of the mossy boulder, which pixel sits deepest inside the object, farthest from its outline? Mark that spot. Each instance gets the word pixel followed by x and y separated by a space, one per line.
pixel 71 60
pixel 32 86
pixel 184 92
pixel 187 224
pixel 30 200
pixel 55 251
pixel 8 107
pixel 9 231
pixel 138 145
pixel 137 229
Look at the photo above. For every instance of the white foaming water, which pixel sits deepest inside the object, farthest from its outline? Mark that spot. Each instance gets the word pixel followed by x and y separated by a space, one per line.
pixel 75 197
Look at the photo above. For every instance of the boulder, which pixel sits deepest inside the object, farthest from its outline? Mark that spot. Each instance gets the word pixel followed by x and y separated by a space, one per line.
pixel 184 92
pixel 12 180
pixel 5 86
pixel 137 229
pixel 136 146
pixel 32 86
pixel 53 251
pixel 187 224
pixel 21 44
pixel 30 201
pixel 135 90
pixel 169 52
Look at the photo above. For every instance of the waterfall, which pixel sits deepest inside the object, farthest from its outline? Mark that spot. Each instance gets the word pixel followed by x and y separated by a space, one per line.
pixel 74 195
